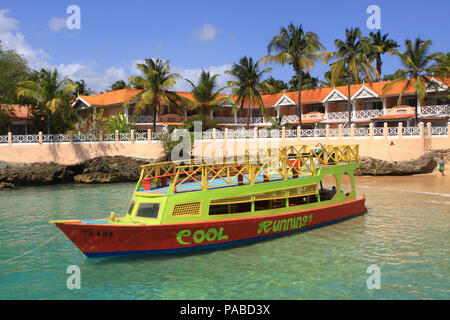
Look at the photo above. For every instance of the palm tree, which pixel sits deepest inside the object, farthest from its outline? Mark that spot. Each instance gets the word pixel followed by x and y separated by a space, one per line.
pixel 352 62
pixel 82 89
pixel 247 84
pixel 308 82
pixel 120 85
pixel 5 119
pixel 379 44
pixel 48 90
pixel 273 86
pixel 342 81
pixel 442 67
pixel 417 70
pixel 299 49
pixel 205 94
pixel 155 86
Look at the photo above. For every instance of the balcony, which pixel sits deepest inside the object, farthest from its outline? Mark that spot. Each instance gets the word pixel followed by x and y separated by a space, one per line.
pixel 359 115
pixel 142 119
pixel 330 117
pixel 435 110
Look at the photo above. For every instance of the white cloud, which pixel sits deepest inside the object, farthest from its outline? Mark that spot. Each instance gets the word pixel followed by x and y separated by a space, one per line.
pixel 7 24
pixel 194 74
pixel 55 24
pixel 207 32
pixel 99 80
pixel 11 39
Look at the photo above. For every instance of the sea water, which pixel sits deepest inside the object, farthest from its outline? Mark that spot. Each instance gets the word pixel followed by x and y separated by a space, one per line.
pixel 405 235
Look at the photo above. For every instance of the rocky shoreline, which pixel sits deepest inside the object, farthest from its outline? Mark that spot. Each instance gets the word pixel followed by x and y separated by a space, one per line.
pixel 424 164
pixel 97 170
pixel 127 169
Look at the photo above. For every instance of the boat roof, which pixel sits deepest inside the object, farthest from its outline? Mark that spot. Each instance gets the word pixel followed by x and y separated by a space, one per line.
pixel 291 162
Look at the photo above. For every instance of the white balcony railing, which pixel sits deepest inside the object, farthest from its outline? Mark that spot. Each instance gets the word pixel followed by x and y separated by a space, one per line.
pixel 441 109
pixel 364 115
pixel 143 119
pixel 367 114
pixel 337 116
pixel 438 131
pixel 289 119
pixel 341 116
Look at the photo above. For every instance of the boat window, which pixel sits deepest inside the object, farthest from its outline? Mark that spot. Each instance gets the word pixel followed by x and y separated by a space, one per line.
pixel 328 187
pixel 346 184
pixel 148 210
pixel 270 204
pixel 230 208
pixel 130 208
pixel 296 201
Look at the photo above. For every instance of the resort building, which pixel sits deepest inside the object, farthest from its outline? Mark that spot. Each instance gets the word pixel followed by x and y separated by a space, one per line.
pixel 21 118
pixel 321 106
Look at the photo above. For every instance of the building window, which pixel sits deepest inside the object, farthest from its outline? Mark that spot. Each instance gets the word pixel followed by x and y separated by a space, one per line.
pixel 18 129
pixel 412 102
pixel 320 109
pixel 373 105
pixel 256 113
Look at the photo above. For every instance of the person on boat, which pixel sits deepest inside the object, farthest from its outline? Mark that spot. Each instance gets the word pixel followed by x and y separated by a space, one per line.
pixel 441 165
pixel 333 192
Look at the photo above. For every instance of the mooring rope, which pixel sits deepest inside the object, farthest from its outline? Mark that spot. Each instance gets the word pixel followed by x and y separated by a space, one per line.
pixel 32 250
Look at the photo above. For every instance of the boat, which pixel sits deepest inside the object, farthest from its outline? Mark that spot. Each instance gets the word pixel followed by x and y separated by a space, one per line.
pixel 199 204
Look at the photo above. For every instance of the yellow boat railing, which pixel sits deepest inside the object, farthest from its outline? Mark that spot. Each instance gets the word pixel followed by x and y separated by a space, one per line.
pixel 281 163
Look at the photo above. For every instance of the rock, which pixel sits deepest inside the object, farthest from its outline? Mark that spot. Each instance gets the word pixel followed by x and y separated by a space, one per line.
pixel 424 164
pixel 126 169
pixel 97 170
pixel 6 186
pixel 35 173
pixel 96 177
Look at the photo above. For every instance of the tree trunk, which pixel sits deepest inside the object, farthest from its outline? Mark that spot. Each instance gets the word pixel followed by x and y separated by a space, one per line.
pixel 154 117
pixel 299 103
pixel 379 63
pixel 248 115
pixel 349 103
pixel 202 111
pixel 416 109
pixel 48 121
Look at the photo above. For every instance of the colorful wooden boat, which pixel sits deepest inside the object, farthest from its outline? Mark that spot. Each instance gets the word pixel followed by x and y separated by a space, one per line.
pixel 182 207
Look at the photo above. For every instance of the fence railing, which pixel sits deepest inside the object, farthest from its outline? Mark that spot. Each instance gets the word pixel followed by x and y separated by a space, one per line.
pixel 320 133
pixel 439 109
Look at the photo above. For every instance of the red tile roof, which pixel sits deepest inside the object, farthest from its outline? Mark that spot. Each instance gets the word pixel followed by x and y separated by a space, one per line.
pixel 17 112
pixel 110 98
pixel 308 96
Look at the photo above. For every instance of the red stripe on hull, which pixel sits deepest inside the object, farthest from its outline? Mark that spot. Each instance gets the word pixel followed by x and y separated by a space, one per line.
pixel 92 238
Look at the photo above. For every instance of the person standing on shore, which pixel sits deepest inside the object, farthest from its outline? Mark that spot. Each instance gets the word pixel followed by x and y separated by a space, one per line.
pixel 441 165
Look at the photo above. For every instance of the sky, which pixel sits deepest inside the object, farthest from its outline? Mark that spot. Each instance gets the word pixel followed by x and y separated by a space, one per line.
pixel 115 35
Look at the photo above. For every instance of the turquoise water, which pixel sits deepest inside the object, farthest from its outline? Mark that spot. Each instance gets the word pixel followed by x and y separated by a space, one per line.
pixel 405 233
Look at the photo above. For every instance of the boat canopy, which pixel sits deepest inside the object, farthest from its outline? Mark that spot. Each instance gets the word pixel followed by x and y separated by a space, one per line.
pixel 252 167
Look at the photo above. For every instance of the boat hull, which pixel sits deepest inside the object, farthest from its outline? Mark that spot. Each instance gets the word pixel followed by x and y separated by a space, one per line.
pixel 102 240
